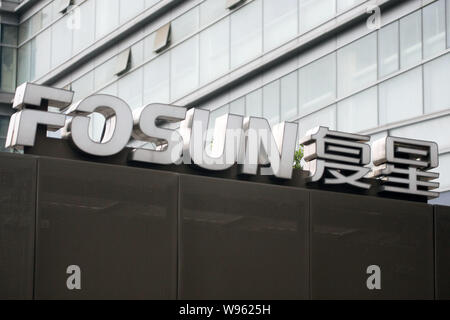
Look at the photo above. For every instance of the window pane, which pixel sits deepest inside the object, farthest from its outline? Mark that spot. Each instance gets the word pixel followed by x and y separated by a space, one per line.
pixel 325 118
pixel 130 9
pixel 317 84
pixel 24 31
pixel 211 10
pixel 123 62
pixel 271 98
pixel 96 126
pixel 149 43
pixel 104 73
pixel 184 68
pixel 427 130
pixel 47 15
pixel 156 80
pixel 448 23
pixel 253 103
pixel 4 123
pixel 214 51
pixel 137 54
pixel 40 54
pixel 8 69
pixel 359 112
pixel 150 3
pixel 289 89
pixel 106 17
pixel 401 97
pixel 280 22
pixel 130 88
pixel 2 145
pixel 212 124
pixel 35 24
pixel 238 107
pixel 357 65
pixel 61 42
pixel 42 18
pixel 184 25
pixel 315 12
pixel 437 78
pixel 444 175
pixel 411 40
pixel 347 4
pixel 216 114
pixel 8 34
pixel 434 28
pixel 162 38
pixel 111 89
pixel 23 70
pixel 83 87
pixel 246 33
pixel 389 48
pixel 82 34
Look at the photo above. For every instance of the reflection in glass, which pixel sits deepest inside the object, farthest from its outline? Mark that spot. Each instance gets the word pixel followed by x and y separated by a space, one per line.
pixel 280 22
pixel 61 42
pixel 184 25
pixel 437 78
pixel 130 9
pixel 184 68
pixel 246 33
pixel 434 28
pixel 289 89
pixel 401 97
pixel 211 10
pixel 214 51
pixel 357 65
pixel 8 69
pixel 130 88
pixel 83 36
pixel 40 54
pixel 411 40
pixel 388 39
pixel 359 112
pixel 106 17
pixel 271 102
pixel 238 107
pixel 325 117
pixel 253 103
pixel 156 80
pixel 315 12
pixel 317 84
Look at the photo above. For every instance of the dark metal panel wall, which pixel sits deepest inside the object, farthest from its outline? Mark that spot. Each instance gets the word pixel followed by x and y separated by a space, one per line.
pixel 17 226
pixel 242 240
pixel 117 224
pixel 351 233
pixel 149 234
pixel 442 247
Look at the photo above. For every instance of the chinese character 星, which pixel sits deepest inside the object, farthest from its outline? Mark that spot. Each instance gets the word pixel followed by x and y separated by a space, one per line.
pixel 402 165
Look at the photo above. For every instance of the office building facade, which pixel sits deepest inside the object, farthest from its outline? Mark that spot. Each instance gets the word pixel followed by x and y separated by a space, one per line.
pixel 372 67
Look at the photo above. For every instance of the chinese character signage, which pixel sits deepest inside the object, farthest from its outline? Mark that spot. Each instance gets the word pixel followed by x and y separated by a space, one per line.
pixel 332 158
pixel 403 166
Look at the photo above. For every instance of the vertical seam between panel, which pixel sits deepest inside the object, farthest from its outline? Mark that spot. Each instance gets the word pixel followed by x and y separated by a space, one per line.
pixel 435 287
pixel 178 240
pixel 36 201
pixel 309 245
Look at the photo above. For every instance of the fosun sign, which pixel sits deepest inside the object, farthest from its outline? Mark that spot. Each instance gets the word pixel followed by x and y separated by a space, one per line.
pixel 332 157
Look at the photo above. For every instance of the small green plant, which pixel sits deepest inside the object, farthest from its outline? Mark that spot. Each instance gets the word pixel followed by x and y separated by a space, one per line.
pixel 298 156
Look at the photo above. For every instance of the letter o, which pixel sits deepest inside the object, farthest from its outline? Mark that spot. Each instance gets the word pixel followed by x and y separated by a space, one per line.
pixel 119 125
